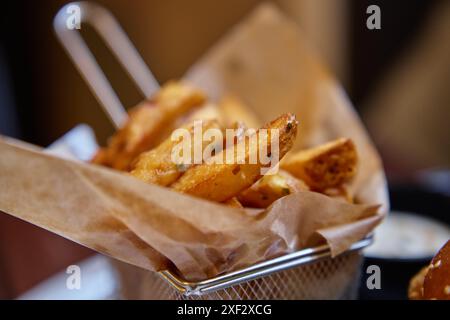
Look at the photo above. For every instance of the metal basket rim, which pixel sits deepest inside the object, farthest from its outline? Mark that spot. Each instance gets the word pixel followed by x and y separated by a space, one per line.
pixel 265 268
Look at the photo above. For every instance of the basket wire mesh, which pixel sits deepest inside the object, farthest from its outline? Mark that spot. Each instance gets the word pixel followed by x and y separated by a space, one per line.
pixel 318 278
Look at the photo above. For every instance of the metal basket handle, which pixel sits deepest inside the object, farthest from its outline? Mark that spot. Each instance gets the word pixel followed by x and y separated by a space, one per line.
pixel 118 42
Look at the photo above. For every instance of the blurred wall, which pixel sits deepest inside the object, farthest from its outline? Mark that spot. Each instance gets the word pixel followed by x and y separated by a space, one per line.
pixel 170 35
pixel 408 112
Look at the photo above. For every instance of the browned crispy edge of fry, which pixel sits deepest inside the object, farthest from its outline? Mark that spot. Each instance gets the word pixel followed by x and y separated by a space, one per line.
pixel 234 203
pixel 220 182
pixel 326 166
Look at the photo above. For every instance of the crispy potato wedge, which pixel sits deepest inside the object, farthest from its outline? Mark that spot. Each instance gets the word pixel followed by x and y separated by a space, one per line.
pixel 326 166
pixel 147 124
pixel 234 110
pixel 234 203
pixel 156 166
pixel 270 188
pixel 219 180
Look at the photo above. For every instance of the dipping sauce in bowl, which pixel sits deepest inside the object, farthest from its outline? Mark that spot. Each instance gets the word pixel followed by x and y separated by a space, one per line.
pixel 408 236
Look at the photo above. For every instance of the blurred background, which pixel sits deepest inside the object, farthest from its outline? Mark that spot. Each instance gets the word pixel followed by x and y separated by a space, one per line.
pixel 397 78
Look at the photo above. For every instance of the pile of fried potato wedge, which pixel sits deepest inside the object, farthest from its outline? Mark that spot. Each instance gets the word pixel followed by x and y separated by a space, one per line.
pixel 144 145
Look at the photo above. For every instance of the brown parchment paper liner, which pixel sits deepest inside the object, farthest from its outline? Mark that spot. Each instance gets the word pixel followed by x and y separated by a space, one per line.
pixel 265 62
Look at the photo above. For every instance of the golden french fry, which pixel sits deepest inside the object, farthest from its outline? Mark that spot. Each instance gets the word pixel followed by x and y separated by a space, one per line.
pixel 326 166
pixel 157 166
pixel 100 157
pixel 148 123
pixel 220 180
pixel 234 110
pixel 271 188
pixel 233 202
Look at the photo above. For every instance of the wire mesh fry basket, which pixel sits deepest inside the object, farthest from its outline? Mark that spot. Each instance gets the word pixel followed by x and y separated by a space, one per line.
pixel 306 274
